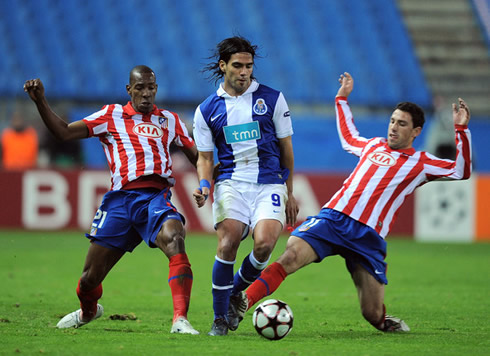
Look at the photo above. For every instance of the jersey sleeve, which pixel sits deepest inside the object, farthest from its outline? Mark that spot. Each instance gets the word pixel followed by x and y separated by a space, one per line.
pixel 202 133
pixel 349 136
pixel 458 169
pixel 182 137
pixel 282 118
pixel 97 122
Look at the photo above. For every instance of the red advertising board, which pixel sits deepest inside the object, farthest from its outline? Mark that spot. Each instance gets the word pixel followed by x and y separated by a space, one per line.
pixel 55 199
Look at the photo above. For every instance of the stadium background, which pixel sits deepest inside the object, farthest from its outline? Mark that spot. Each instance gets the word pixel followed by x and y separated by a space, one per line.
pixel 413 50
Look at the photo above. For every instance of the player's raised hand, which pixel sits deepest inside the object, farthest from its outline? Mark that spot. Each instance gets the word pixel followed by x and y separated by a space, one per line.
pixel 461 113
pixel 35 89
pixel 346 84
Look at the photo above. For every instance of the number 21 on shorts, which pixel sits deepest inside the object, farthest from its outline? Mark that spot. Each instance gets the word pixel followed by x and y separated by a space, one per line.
pixel 99 219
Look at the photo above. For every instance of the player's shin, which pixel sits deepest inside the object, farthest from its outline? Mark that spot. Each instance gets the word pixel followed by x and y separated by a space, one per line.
pixel 249 271
pixel 88 300
pixel 269 280
pixel 180 281
pixel 222 284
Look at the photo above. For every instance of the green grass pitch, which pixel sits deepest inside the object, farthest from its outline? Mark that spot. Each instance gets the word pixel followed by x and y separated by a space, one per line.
pixel 441 290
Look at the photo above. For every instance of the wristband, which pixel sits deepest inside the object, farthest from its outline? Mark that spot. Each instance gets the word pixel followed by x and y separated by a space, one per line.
pixel 204 183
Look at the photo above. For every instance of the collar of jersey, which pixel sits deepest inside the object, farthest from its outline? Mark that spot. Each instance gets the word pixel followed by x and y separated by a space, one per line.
pixel 408 151
pixel 129 110
pixel 253 87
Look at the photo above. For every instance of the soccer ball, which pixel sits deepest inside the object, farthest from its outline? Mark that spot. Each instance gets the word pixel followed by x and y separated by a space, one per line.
pixel 273 319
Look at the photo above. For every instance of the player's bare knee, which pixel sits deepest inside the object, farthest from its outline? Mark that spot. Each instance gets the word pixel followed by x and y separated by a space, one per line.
pixel 263 251
pixel 176 239
pixel 171 242
pixel 227 248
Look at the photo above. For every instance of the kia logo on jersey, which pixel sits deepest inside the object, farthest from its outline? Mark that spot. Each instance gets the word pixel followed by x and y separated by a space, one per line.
pixel 382 159
pixel 147 129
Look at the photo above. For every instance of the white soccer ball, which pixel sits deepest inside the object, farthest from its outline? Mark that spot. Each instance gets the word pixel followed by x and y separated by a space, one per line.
pixel 273 319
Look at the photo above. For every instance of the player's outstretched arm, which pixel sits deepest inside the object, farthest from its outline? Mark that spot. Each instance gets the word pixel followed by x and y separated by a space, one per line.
pixel 58 127
pixel 346 84
pixel 461 113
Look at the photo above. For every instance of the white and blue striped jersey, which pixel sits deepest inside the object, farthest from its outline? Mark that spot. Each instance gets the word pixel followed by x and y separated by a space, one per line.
pixel 245 131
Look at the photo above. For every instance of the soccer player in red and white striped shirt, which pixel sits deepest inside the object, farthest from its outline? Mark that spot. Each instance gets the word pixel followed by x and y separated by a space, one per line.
pixel 136 139
pixel 356 220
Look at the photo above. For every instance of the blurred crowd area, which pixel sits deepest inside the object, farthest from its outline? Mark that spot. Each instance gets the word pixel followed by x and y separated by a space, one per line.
pixel 25 143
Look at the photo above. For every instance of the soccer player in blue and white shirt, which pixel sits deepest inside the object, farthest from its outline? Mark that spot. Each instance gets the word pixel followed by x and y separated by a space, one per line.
pixel 250 126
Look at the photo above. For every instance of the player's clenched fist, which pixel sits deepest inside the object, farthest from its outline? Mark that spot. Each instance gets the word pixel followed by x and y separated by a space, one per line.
pixel 35 89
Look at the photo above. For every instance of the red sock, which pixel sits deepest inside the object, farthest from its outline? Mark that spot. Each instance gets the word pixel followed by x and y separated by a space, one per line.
pixel 266 284
pixel 88 300
pixel 180 281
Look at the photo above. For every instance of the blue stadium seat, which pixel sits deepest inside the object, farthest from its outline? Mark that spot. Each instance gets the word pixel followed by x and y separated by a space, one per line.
pixel 23 49
pixel 85 48
pixel 397 43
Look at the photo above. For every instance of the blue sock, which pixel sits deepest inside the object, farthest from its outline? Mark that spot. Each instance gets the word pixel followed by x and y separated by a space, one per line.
pixel 222 285
pixel 249 271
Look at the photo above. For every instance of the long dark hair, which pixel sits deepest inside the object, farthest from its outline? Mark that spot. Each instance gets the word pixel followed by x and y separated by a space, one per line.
pixel 224 50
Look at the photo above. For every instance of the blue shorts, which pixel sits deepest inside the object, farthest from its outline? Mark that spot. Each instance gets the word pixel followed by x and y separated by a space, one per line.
pixel 333 233
pixel 127 217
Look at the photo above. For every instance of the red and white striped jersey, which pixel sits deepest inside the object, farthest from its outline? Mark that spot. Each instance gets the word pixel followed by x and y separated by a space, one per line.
pixel 137 144
pixel 383 178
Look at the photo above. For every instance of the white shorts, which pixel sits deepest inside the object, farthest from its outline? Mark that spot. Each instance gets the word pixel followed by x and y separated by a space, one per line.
pixel 249 202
